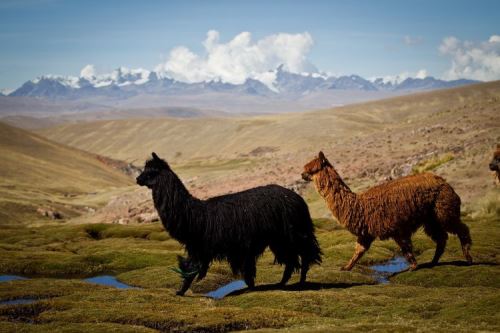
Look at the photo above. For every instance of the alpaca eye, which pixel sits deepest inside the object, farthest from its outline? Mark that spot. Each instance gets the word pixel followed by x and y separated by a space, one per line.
pixel 152 173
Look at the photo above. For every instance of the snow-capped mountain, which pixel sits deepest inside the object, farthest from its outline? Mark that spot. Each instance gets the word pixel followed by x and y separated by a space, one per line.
pixel 430 83
pixel 352 82
pixel 125 83
pixel 296 84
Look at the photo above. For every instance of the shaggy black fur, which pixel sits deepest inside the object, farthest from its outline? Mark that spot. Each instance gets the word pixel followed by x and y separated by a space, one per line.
pixel 235 227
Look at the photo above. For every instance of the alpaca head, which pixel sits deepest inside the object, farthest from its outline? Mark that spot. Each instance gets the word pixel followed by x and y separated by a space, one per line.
pixel 152 170
pixel 495 162
pixel 315 166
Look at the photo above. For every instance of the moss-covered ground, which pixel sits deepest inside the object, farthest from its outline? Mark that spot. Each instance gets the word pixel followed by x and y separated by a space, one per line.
pixel 451 297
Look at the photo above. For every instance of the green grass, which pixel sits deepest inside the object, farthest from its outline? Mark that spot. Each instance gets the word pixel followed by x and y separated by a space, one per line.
pixel 433 163
pixel 450 297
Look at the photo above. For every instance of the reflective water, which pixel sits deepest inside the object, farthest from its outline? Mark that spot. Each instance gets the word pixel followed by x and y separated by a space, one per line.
pixel 108 280
pixel 19 301
pixel 104 280
pixel 6 278
pixel 227 289
pixel 383 271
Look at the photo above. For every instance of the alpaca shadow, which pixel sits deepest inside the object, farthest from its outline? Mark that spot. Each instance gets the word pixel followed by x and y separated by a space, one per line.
pixel 457 263
pixel 295 287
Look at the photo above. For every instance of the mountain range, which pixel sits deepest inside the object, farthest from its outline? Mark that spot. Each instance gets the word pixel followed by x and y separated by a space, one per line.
pixel 125 83
pixel 139 88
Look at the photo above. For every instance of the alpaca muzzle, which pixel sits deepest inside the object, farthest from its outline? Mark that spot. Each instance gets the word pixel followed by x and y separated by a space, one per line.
pixel 306 176
pixel 140 180
pixel 494 167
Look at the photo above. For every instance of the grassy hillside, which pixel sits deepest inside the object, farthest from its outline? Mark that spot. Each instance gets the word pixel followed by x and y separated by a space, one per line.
pixel 450 132
pixel 229 137
pixel 35 172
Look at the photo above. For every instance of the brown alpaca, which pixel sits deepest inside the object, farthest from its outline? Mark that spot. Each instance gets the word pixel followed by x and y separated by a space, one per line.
pixel 495 164
pixel 395 209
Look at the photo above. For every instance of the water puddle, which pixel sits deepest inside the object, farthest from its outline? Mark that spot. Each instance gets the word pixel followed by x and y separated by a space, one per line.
pixel 383 271
pixel 104 280
pixel 19 301
pixel 7 278
pixel 108 280
pixel 227 289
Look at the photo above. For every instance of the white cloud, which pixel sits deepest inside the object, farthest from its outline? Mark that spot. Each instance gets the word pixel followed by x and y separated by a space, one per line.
pixel 88 72
pixel 396 79
pixel 421 74
pixel 122 76
pixel 494 39
pixel 240 58
pixel 472 60
pixel 6 91
pixel 409 40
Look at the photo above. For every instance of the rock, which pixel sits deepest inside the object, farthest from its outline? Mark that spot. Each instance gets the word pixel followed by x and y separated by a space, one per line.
pixel 50 213
pixel 263 150
pixel 148 217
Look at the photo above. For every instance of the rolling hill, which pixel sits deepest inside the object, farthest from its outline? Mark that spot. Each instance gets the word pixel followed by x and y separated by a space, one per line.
pixel 368 142
pixel 38 173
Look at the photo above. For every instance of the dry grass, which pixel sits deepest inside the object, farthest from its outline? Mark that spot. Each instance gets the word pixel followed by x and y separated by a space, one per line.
pixel 36 172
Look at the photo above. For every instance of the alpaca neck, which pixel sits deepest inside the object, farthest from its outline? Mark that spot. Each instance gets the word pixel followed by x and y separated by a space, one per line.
pixel 175 206
pixel 339 197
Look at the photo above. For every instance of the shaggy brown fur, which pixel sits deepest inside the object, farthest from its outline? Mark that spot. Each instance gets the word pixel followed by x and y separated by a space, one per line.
pixel 495 164
pixel 395 209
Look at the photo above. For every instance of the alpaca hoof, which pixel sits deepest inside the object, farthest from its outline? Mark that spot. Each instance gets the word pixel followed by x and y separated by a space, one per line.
pixel 469 260
pixel 180 293
pixel 412 267
pixel 251 285
pixel 345 268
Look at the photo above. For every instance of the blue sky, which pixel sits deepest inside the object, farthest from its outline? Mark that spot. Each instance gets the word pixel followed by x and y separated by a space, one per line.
pixel 369 38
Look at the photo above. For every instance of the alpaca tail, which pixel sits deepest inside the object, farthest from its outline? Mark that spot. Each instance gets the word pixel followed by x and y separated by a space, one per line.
pixel 310 254
pixel 447 213
pixel 309 250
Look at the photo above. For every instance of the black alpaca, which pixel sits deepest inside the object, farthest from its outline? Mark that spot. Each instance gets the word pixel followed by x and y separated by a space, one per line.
pixel 237 227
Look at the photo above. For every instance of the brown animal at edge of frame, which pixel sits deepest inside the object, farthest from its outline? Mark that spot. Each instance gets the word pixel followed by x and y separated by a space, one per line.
pixel 495 164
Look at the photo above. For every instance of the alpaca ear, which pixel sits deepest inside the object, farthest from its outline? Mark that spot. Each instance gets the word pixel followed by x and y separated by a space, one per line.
pixel 155 157
pixel 323 159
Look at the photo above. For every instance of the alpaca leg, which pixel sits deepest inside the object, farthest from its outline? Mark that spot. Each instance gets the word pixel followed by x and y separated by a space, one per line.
pixel 185 285
pixel 286 274
pixel 249 272
pixel 303 270
pixel 448 214
pixel 203 271
pixel 407 249
pixel 434 230
pixel 440 246
pixel 362 245
pixel 190 266
pixel 463 234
